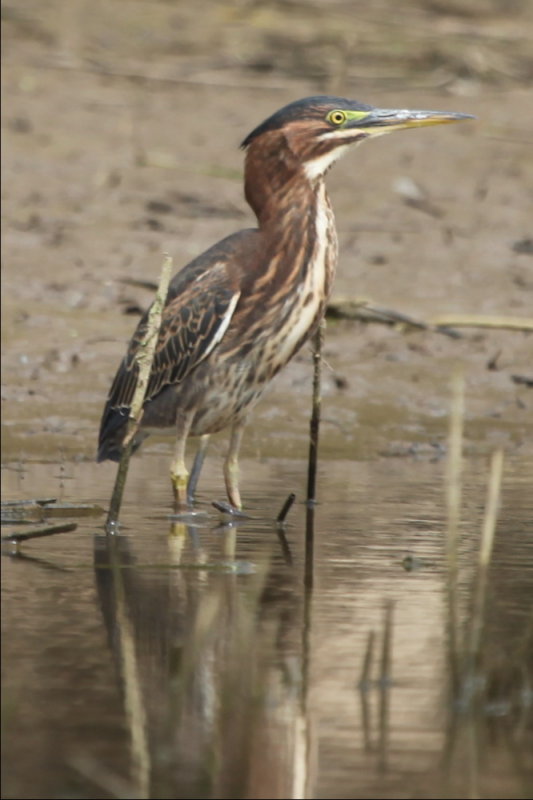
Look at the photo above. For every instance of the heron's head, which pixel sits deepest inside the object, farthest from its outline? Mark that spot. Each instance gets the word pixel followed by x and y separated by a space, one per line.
pixel 316 131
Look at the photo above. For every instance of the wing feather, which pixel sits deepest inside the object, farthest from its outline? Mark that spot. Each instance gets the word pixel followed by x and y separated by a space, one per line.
pixel 192 324
pixel 194 321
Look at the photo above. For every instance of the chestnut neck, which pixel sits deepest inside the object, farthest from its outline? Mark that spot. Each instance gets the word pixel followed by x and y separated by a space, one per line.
pixel 276 185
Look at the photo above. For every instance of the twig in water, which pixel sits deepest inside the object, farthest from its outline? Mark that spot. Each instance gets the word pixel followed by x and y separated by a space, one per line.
pixel 485 554
pixel 385 681
pixel 144 358
pixel 453 504
pixel 522 380
pixel 364 681
pixel 285 547
pixel 286 507
pixel 49 530
pixel 314 428
pixel 364 686
pixel 472 688
pixel 386 646
pixel 36 502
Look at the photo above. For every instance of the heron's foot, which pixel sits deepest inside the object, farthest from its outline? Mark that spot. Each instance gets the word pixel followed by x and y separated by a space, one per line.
pixel 231 465
pixel 235 500
pixel 229 510
pixel 231 475
pixel 179 485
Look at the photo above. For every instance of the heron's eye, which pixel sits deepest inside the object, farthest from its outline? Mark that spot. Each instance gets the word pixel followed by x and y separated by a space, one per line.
pixel 337 117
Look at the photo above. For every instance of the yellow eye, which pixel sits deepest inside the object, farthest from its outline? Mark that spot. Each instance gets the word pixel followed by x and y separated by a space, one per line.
pixel 337 117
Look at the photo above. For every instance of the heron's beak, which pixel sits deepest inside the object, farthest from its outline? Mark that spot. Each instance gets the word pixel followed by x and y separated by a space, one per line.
pixel 386 120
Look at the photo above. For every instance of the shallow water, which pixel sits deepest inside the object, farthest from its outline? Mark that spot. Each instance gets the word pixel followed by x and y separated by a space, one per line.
pixel 191 661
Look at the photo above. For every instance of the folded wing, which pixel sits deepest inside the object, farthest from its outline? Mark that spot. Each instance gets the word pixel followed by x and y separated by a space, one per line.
pixel 194 321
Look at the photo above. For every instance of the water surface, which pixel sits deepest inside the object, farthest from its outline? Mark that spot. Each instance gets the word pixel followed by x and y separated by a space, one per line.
pixel 182 660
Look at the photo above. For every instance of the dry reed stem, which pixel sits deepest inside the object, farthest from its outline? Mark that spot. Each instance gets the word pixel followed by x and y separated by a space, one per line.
pixel 482 321
pixel 144 358
pixel 363 310
pixel 145 354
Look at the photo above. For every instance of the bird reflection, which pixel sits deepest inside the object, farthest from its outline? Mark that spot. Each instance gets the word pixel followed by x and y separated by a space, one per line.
pixel 209 661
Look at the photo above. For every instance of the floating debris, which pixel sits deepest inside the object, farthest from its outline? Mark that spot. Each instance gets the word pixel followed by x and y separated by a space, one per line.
pixel 37 533
pixel 22 512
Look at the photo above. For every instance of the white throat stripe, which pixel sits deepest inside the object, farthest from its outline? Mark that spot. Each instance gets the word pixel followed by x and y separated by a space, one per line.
pixel 319 166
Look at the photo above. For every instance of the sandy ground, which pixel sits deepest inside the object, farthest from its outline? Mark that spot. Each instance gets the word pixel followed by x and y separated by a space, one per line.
pixel 121 125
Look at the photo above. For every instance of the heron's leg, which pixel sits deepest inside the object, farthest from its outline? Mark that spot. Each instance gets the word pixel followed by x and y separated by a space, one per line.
pixel 178 470
pixel 197 468
pixel 231 465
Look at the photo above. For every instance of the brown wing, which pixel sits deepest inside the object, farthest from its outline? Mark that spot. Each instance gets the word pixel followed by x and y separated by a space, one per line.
pixel 194 321
pixel 192 324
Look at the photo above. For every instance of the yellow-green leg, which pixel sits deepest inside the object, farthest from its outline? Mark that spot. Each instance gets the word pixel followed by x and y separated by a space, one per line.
pixel 179 474
pixel 231 465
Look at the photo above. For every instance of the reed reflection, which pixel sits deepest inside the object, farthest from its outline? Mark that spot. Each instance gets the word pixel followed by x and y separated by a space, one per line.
pixel 209 658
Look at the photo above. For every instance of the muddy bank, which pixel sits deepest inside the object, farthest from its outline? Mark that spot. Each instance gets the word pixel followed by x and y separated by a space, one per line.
pixel 122 143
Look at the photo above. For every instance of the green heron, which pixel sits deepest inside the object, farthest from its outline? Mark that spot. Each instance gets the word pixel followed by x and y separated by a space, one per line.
pixel 239 312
